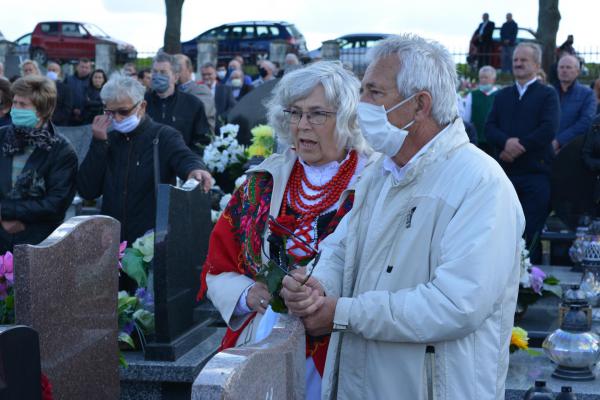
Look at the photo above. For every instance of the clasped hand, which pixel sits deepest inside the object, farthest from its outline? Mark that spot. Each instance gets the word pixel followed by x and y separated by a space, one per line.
pixel 308 301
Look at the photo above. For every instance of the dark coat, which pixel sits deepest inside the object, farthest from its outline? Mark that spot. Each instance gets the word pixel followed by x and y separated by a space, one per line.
pixel 64 105
pixel 121 169
pixel 77 87
pixel 533 119
pixel 41 213
pixel 508 32
pixel 183 112
pixel 591 147
pixel 245 89
pixel 486 37
pixel 577 110
pixel 93 104
pixel 224 100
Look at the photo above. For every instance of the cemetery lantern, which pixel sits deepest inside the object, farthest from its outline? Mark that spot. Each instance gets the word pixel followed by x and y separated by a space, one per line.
pixel 573 347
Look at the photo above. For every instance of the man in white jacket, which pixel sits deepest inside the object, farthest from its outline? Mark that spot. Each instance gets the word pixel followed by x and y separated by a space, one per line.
pixel 419 282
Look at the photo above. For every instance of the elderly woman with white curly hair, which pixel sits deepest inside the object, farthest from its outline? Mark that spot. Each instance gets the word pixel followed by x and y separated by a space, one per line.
pixel 307 189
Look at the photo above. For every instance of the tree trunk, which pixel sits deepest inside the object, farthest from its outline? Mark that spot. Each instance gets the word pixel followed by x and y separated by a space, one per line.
pixel 172 43
pixel 548 20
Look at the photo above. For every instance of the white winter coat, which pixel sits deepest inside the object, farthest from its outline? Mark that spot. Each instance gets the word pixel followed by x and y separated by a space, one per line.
pixel 435 261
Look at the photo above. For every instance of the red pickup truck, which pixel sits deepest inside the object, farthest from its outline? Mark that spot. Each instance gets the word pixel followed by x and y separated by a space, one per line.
pixel 66 41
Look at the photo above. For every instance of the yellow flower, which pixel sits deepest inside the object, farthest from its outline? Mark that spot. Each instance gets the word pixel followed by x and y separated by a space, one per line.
pixel 519 338
pixel 262 131
pixel 256 151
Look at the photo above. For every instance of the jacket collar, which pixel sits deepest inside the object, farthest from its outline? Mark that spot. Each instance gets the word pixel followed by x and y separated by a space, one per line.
pixel 444 143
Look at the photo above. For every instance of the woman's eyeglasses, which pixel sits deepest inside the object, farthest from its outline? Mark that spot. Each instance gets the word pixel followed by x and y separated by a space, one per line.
pixel 121 112
pixel 313 117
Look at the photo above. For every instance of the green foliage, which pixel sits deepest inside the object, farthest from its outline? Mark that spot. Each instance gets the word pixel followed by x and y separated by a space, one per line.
pixel 133 266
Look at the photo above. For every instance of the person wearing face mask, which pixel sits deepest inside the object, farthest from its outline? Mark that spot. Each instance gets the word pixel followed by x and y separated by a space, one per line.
pixel 418 284
pixel 478 104
pixel 64 100
pixel 266 71
pixel 119 165
pixel 77 83
pixel 313 110
pixel 38 166
pixel 170 106
pixel 238 87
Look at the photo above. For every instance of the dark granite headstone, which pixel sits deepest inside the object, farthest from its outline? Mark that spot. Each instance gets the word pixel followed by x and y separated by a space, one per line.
pixel 66 289
pixel 182 231
pixel 80 138
pixel 19 363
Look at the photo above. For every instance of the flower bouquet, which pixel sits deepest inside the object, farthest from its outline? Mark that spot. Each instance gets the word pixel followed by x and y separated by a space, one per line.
pixel 281 263
pixel 534 283
pixel 519 340
pixel 225 157
pixel 262 142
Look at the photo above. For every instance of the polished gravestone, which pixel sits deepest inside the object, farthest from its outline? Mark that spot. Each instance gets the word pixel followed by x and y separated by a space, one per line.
pixel 186 334
pixel 182 231
pixel 19 363
pixel 273 368
pixel 80 138
pixel 66 289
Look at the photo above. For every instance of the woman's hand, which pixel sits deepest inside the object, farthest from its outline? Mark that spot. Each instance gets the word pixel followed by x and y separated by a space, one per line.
pixel 258 298
pixel 100 126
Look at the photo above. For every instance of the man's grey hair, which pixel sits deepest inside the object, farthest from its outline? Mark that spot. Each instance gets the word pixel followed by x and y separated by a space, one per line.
pixel 424 65
pixel 183 59
pixel 341 93
pixel 573 58
pixel 537 51
pixel 488 69
pixel 121 88
pixel 269 65
pixel 208 65
pixel 164 57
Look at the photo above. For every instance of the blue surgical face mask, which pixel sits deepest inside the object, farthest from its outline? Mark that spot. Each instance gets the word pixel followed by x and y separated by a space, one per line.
pixel 52 75
pixel 127 124
pixel 160 83
pixel 24 117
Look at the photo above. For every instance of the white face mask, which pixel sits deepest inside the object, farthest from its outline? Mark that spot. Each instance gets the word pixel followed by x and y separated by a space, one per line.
pixel 52 75
pixel 377 129
pixel 127 125
pixel 221 74
pixel 236 83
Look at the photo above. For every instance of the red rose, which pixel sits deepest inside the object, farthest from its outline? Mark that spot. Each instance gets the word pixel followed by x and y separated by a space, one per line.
pixel 46 388
pixel 283 226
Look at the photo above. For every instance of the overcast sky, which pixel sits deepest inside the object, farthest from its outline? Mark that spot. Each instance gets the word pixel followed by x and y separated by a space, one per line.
pixel 142 22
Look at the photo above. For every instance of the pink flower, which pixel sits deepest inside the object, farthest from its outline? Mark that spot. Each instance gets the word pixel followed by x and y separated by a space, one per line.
pixel 536 279
pixel 122 248
pixel 6 268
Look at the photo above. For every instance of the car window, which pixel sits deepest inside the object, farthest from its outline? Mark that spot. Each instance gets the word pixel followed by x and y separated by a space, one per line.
pixel 496 34
pixel 525 35
pixel 25 40
pixel 262 31
pixel 248 32
pixel 235 32
pixel 70 30
pixel 293 31
pixel 217 33
pixel 371 42
pixel 346 44
pixel 50 28
pixel 274 31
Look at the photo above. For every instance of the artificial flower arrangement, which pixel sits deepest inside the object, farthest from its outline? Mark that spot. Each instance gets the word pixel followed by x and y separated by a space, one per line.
pixel 135 312
pixel 519 340
pixel 534 283
pixel 263 142
pixel 7 296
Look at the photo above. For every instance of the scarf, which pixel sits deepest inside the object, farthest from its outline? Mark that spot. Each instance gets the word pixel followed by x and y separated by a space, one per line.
pixel 18 137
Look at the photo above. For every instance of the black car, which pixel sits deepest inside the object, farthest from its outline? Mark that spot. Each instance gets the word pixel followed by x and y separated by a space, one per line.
pixel 248 39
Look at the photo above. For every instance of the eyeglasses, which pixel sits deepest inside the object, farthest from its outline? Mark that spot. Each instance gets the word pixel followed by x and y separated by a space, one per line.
pixel 121 112
pixel 313 117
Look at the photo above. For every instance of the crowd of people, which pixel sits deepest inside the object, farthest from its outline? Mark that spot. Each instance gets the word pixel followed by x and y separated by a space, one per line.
pixel 403 235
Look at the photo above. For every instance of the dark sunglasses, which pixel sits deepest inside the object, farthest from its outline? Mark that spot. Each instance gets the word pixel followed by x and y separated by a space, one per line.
pixel 122 112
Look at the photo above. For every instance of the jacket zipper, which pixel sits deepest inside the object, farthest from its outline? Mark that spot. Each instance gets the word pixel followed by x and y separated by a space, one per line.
pixel 125 184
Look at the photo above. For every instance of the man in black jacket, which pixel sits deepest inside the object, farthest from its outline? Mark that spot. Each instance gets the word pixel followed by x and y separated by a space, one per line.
pixel 223 95
pixel 64 102
pixel 120 163
pixel 522 123
pixel 182 111
pixel 483 38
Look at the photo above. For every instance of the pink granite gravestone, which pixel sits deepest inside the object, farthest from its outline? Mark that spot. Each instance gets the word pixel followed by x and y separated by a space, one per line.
pixel 66 289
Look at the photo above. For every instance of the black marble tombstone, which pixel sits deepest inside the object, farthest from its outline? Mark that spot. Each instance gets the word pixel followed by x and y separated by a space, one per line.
pixel 182 231
pixel 20 370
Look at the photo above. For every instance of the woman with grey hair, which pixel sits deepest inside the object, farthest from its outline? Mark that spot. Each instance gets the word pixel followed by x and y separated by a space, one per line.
pixel 121 165
pixel 307 190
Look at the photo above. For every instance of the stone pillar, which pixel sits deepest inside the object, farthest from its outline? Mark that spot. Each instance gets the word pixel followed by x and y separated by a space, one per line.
pixel 330 50
pixel 207 52
pixel 106 57
pixel 277 51
pixel 5 46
